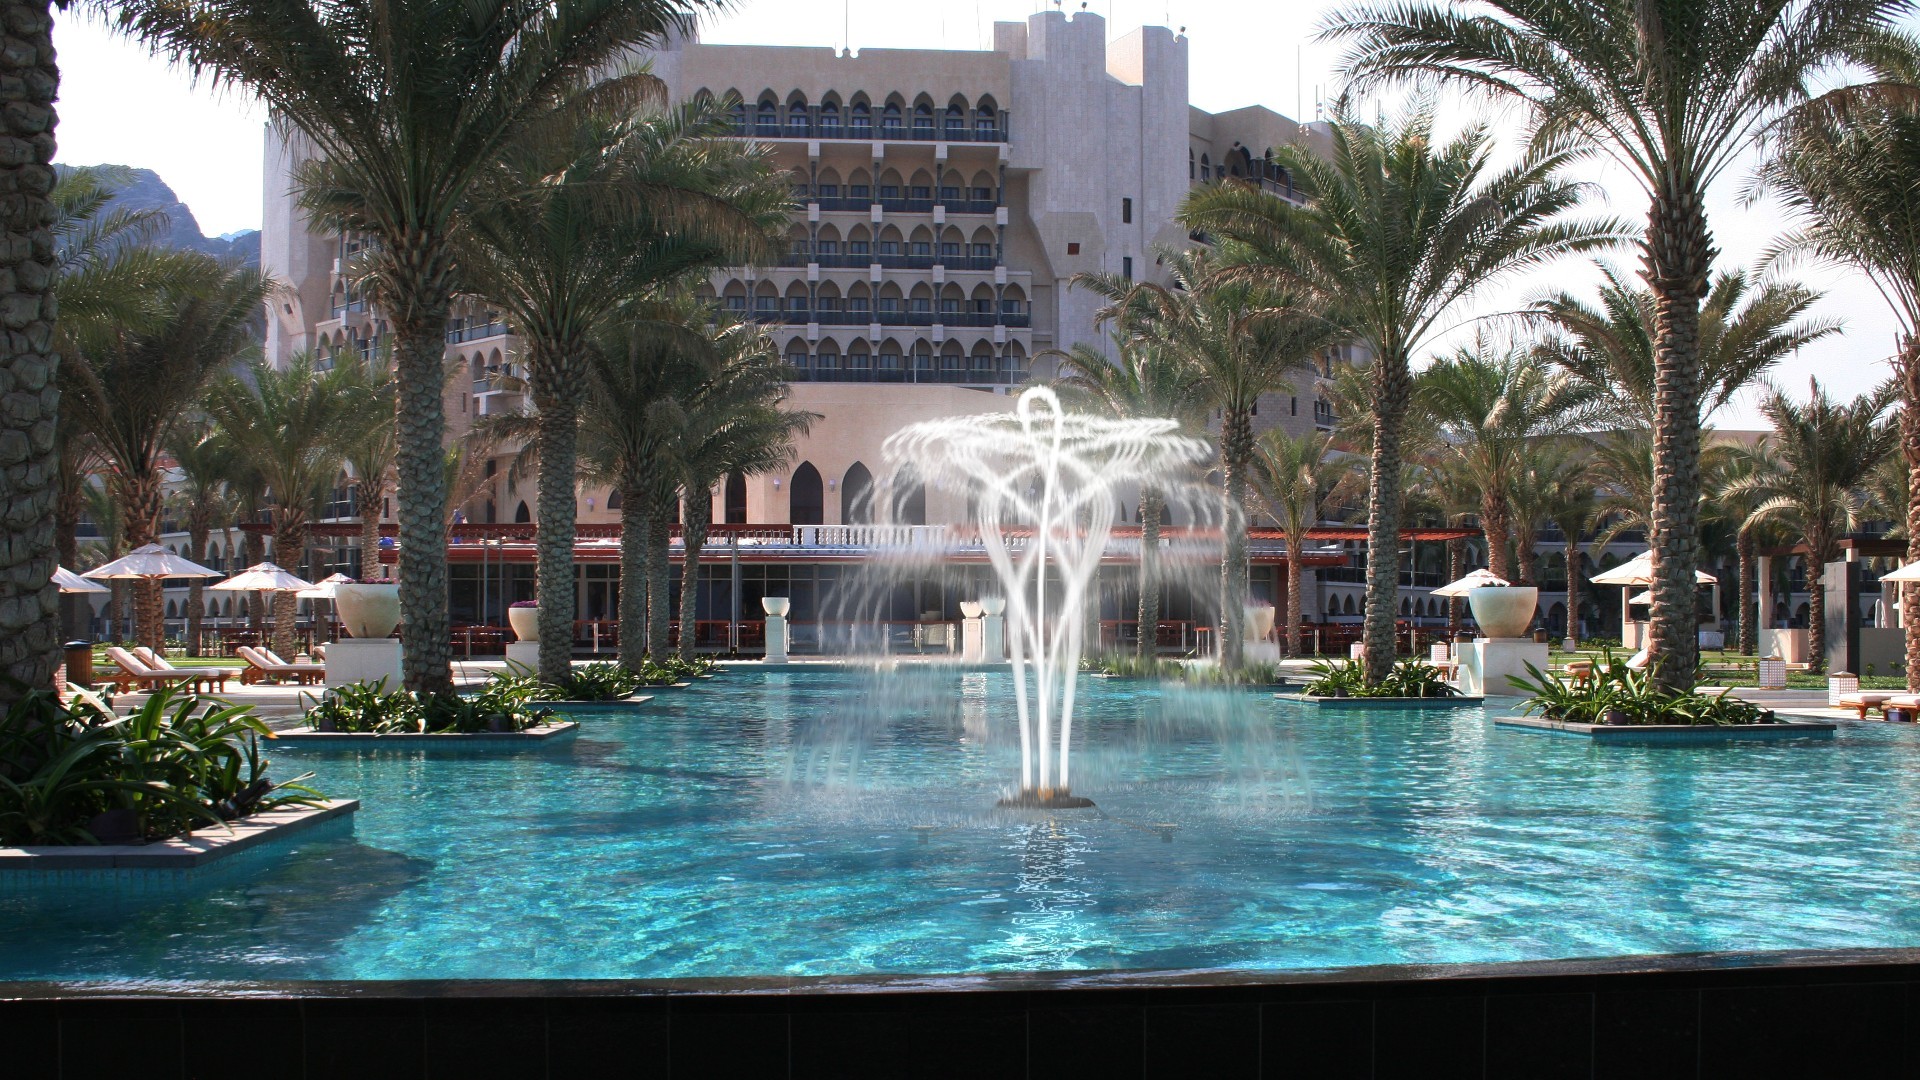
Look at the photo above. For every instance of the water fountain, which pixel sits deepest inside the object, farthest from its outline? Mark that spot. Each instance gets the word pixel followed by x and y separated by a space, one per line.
pixel 1054 476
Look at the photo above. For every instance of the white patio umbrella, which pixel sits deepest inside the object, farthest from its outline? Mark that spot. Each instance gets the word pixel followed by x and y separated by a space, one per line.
pixel 1641 597
pixel 151 561
pixel 1476 580
pixel 1910 572
pixel 264 577
pixel 70 582
pixel 1639 571
pixel 323 589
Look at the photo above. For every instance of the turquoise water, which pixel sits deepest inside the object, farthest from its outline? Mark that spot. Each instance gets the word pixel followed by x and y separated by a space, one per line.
pixel 825 824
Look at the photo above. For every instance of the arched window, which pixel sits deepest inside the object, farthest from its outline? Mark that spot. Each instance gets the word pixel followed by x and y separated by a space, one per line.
pixel 522 515
pixel 807 500
pixel 615 500
pixel 913 504
pixel 735 509
pixel 856 495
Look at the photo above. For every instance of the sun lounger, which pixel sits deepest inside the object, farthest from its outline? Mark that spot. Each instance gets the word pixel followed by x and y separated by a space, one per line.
pixel 206 678
pixel 136 675
pixel 1864 700
pixel 263 665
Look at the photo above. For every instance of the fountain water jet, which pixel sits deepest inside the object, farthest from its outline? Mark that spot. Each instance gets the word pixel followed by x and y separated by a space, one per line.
pixel 1057 472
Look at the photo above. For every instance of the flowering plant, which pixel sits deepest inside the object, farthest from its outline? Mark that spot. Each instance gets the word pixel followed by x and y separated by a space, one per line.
pixel 524 603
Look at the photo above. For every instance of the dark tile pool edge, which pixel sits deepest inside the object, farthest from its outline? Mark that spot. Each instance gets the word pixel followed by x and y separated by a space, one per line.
pixel 1459 701
pixel 1835 1013
pixel 1701 968
pixel 1661 733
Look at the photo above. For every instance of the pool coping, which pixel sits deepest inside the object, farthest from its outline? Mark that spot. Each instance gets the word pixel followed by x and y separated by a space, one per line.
pixel 632 702
pixel 1706 964
pixel 1324 701
pixel 1615 733
pixel 537 734
pixel 191 852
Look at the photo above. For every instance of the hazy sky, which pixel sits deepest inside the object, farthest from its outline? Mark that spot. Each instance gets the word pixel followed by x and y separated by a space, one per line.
pixel 118 105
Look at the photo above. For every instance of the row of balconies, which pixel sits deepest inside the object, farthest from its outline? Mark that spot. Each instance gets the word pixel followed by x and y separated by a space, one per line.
pixel 459 331
pixel 863 128
pixel 971 376
pixel 863 261
pixel 801 317
pixel 910 204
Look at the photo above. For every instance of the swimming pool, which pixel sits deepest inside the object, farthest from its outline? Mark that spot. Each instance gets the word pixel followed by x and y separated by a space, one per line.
pixel 770 823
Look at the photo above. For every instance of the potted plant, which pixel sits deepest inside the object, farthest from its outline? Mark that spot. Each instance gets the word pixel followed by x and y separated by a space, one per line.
pixel 524 617
pixel 367 608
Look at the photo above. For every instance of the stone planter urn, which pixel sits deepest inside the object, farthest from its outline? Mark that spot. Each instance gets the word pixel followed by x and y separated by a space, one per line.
pixel 970 609
pixel 525 622
pixel 1504 611
pixel 368 611
pixel 777 605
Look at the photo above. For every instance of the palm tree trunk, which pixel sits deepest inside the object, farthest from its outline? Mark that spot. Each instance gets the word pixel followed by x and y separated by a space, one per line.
pixel 372 493
pixel 29 603
pixel 141 495
pixel 1749 603
pixel 1497 523
pixel 1296 547
pixel 1236 450
pixel 289 541
pixel 419 320
pixel 1391 379
pixel 633 578
pixel 659 581
pixel 1153 506
pixel 1679 255
pixel 1456 569
pixel 116 610
pixel 197 529
pixel 699 515
pixel 1572 557
pixel 1909 375
pixel 255 546
pixel 558 386
pixel 1817 558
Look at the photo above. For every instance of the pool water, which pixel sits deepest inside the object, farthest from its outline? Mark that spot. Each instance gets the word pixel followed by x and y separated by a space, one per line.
pixel 766 823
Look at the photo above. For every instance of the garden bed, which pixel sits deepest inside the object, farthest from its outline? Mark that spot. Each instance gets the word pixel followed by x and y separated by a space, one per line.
pixel 1671 733
pixel 1329 701
pixel 540 733
pixel 190 852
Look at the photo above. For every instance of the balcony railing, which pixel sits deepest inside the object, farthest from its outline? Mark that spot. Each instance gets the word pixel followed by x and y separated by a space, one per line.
pixel 969 206
pixel 458 335
pixel 948 376
pixel 793 317
pixel 770 128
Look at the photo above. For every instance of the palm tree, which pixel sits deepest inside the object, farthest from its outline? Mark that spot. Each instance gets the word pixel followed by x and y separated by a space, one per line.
pixel 1673 91
pixel 1827 449
pixel 558 235
pixel 1145 380
pixel 1745 477
pixel 1491 410
pixel 1397 232
pixel 733 422
pixel 29 608
pixel 205 462
pixel 1295 478
pixel 1554 485
pixel 403 107
pixel 1745 328
pixel 131 387
pixel 1241 339
pixel 1851 175
pixel 294 424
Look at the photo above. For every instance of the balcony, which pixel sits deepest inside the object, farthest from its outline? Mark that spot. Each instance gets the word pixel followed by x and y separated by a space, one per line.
pixel 341 310
pixel 931 376
pixel 860 206
pixel 812 127
pixel 969 206
pixel 461 334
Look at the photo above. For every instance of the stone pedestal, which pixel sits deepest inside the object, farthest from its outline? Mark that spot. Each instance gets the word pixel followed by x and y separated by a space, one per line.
pixel 364 660
pixel 776 639
pixel 1485 663
pixel 523 654
pixel 973 639
pixel 993 638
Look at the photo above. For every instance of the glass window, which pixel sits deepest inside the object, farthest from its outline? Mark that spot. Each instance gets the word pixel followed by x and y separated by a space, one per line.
pixel 949 249
pixel 981 251
pixel 829 191
pixel 920 305
pixel 889 191
pixel 920 191
pixel 983 194
pixel 857 247
pixel 949 192
pixel 919 247
pixel 889 304
pixel 949 307
pixel 889 247
pixel 859 191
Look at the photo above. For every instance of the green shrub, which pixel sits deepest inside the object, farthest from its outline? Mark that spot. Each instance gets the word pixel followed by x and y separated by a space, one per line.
pixel 372 709
pixel 1631 695
pixel 176 763
pixel 1347 678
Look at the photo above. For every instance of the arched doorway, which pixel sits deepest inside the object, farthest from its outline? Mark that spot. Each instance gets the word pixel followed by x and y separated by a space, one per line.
pixel 522 515
pixel 736 499
pixel 856 490
pixel 807 501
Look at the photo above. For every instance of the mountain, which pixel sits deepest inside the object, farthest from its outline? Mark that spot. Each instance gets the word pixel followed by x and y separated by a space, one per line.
pixel 146 191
